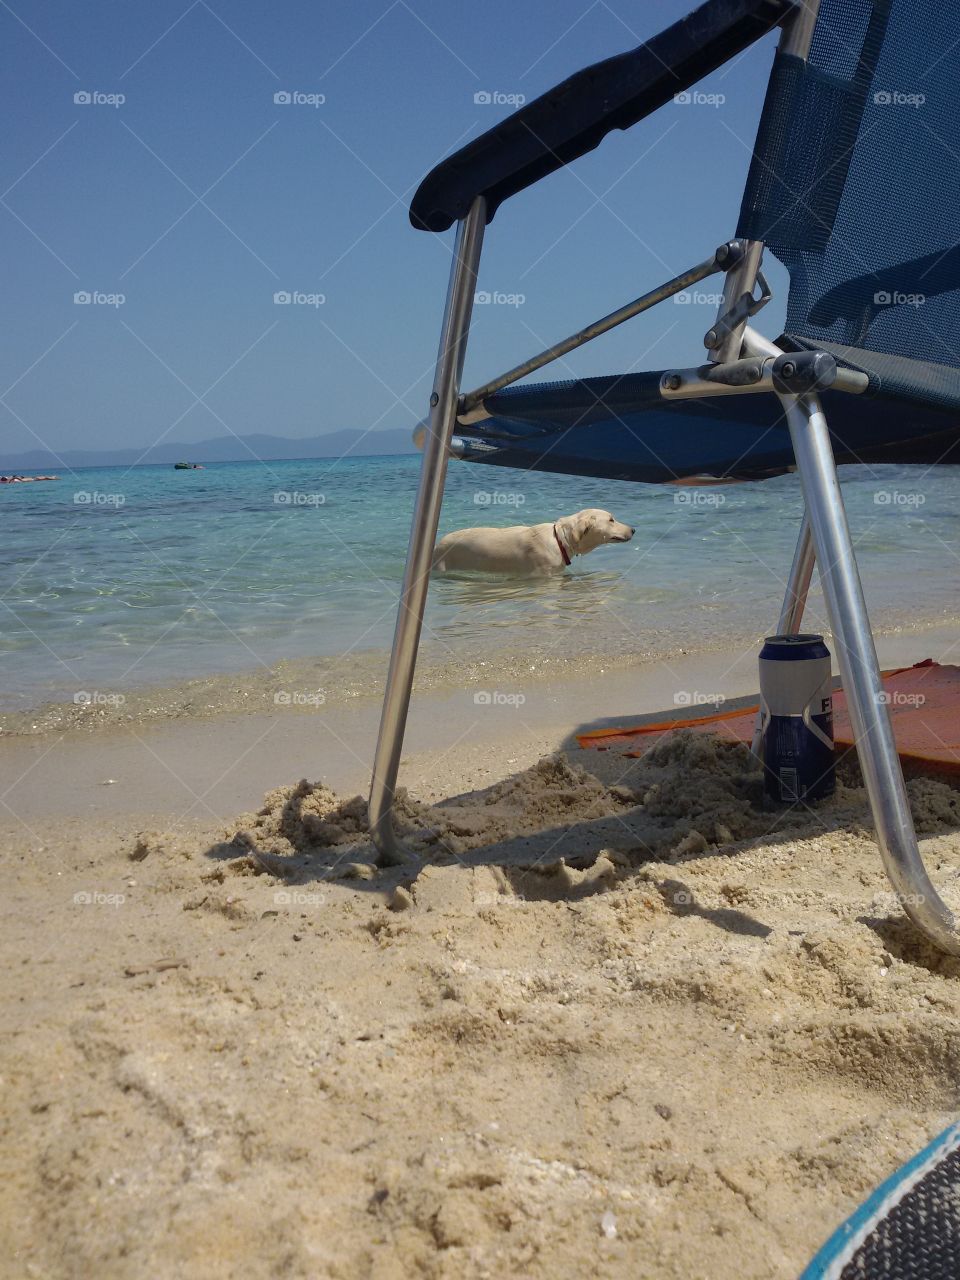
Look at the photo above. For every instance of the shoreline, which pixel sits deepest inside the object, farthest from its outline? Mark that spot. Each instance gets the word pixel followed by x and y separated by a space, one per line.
pixel 208 755
pixel 307 684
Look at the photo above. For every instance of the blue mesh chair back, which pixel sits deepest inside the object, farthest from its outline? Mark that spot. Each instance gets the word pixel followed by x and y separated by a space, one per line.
pixel 855 186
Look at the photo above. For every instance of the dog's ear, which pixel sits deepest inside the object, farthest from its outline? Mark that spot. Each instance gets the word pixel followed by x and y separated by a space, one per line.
pixel 571 530
pixel 582 522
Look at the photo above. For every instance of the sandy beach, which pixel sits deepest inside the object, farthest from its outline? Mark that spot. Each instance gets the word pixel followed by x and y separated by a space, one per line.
pixel 566 353
pixel 616 1018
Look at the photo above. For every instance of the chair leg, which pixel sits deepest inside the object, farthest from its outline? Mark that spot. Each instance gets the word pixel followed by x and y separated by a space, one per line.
pixel 794 603
pixel 860 672
pixel 423 533
pixel 798 586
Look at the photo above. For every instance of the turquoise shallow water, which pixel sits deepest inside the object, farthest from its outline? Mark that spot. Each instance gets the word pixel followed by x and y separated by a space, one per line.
pixel 113 577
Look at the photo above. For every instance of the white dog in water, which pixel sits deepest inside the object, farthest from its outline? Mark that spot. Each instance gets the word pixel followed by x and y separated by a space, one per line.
pixel 529 549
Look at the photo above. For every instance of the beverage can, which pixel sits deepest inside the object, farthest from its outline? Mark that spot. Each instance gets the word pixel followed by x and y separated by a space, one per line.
pixel 796 709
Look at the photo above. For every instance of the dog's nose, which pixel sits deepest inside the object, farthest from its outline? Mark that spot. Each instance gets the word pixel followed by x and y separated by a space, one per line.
pixel 632 532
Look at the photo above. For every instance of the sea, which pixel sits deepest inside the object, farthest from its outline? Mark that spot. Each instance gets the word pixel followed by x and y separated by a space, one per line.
pixel 115 577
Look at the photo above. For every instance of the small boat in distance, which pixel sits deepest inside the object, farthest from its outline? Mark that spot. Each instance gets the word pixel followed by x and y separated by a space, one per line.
pixel 188 466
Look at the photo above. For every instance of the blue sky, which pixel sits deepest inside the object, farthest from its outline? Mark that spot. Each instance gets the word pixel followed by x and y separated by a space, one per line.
pixel 199 197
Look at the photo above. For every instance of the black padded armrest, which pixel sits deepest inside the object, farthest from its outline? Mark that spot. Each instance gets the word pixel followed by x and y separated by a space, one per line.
pixel 574 117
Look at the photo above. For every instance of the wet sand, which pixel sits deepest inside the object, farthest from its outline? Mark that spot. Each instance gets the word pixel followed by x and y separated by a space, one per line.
pixel 208 748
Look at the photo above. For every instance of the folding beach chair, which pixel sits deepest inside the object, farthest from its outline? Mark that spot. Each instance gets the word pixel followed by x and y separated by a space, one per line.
pixel 854 187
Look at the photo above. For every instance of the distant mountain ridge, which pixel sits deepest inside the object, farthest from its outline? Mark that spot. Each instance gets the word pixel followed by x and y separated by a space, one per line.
pixel 219 449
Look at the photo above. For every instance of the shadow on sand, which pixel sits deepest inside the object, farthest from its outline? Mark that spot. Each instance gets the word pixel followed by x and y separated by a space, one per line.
pixel 639 816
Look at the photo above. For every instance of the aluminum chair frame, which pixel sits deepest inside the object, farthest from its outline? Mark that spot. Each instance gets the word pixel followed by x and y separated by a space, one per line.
pixel 741 362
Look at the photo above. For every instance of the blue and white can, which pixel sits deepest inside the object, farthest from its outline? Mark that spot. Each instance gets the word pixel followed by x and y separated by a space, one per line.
pixel 796 724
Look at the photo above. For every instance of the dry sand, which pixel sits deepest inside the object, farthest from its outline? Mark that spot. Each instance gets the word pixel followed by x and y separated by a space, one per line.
pixel 618 1019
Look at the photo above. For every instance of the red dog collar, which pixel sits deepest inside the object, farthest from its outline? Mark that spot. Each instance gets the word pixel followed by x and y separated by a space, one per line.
pixel 563 549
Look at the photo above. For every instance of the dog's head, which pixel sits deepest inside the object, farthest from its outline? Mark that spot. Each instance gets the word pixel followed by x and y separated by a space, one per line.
pixel 591 528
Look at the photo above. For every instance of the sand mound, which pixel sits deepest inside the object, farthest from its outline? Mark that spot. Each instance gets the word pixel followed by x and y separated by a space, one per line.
pixel 690 793
pixel 309 818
